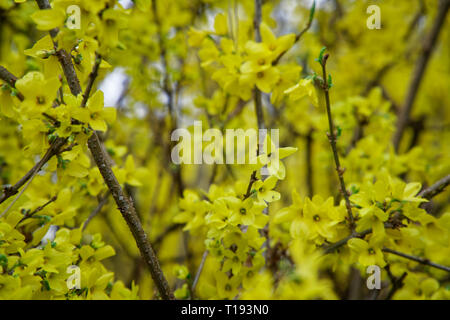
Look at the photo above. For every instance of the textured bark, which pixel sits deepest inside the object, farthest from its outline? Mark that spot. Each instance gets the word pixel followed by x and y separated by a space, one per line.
pixel 101 159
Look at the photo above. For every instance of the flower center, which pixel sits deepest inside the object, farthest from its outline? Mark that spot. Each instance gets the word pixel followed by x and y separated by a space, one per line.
pixel 40 100
pixel 260 74
pixel 316 218
pixel 243 211
pixel 227 287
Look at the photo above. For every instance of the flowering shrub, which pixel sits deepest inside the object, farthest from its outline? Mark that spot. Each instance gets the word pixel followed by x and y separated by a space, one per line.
pixel 356 182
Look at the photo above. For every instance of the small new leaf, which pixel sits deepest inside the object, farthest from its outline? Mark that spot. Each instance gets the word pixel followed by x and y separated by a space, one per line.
pixel 320 58
pixel 312 11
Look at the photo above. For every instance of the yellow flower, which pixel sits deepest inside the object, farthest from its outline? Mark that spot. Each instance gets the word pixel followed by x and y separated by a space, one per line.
pixel 95 114
pixel 220 24
pixel 369 253
pixel 320 217
pixel 39 93
pixel 264 190
pixel 48 19
pixel 244 212
pixel 227 287
pixel 302 89
pixel 272 156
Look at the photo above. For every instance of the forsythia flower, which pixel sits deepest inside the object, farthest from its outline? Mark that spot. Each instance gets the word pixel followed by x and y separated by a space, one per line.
pixel 39 93
pixel 302 89
pixel 95 114
pixel 369 253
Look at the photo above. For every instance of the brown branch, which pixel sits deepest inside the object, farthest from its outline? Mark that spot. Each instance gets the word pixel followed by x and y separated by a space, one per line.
pixel 309 163
pixel 253 179
pixel 129 214
pixel 101 203
pixel 257 20
pixel 38 209
pixel 332 138
pixel 332 247
pixel 168 90
pixel 92 76
pixel 199 271
pixel 435 189
pixel 10 79
pixel 123 202
pixel 44 5
pixel 52 151
pixel 423 261
pixel 69 71
pixel 397 283
pixel 301 33
pixel 162 236
pixel 427 49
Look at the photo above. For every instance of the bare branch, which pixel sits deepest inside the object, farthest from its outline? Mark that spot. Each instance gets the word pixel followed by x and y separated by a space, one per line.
pixel 200 269
pixel 427 49
pixel 301 33
pixel 53 150
pixel 10 79
pixel 417 259
pixel 38 209
pixel 92 76
pixel 435 189
pixel 332 247
pixel 333 138
pixel 123 202
pixel 101 203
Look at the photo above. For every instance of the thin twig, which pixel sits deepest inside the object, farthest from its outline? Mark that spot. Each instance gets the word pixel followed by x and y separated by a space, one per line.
pixel 334 246
pixel 427 49
pixel 397 283
pixel 10 79
pixel 92 76
pixel 423 261
pixel 435 189
pixel 168 90
pixel 301 33
pixel 101 203
pixel 200 269
pixel 163 235
pixel 332 138
pixel 53 150
pixel 19 195
pixel 38 209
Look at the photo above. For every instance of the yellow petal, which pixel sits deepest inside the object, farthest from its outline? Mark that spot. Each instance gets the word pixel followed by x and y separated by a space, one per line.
pixel 109 114
pixel 220 24
pixel 48 19
pixel 98 124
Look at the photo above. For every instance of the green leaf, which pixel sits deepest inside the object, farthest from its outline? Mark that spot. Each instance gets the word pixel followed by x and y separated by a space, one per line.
pixel 320 58
pixel 3 260
pixel 312 11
